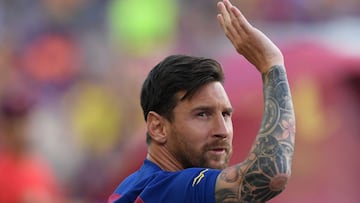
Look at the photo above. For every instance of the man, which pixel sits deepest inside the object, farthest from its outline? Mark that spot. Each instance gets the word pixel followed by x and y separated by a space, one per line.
pixel 188 117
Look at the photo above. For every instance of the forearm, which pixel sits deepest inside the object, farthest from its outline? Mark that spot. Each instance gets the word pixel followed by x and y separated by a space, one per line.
pixel 270 158
pixel 267 168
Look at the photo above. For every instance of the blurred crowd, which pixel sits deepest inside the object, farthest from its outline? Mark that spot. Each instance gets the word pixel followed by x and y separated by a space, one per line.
pixel 71 126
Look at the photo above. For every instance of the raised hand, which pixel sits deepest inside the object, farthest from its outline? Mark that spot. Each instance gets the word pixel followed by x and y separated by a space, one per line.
pixel 248 41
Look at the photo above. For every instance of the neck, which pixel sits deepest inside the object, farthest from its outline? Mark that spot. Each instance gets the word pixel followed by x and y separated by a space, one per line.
pixel 162 157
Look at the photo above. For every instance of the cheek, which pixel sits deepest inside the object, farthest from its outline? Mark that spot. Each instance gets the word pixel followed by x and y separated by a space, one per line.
pixel 193 133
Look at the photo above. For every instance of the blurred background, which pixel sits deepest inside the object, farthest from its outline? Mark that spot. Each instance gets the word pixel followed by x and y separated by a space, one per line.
pixel 71 127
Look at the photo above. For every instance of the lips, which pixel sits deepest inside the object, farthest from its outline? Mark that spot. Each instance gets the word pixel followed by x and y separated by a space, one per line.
pixel 219 149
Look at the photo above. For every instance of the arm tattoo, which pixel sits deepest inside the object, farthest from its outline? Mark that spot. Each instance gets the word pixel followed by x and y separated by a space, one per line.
pixel 264 174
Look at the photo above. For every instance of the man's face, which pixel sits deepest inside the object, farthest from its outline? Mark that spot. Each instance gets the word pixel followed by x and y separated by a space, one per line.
pixel 201 132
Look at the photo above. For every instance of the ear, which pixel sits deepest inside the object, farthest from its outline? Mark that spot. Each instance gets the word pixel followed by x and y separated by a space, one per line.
pixel 156 127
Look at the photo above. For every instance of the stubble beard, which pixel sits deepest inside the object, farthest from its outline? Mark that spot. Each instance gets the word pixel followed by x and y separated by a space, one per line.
pixel 220 162
pixel 202 159
pixel 190 157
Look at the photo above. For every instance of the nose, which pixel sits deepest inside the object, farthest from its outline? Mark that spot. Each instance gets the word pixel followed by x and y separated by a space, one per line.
pixel 222 127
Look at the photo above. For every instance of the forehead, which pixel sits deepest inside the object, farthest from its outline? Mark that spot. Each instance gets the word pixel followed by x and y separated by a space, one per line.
pixel 210 94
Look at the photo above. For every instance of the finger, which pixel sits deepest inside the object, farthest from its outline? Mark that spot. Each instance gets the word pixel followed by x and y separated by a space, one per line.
pixel 221 21
pixel 224 11
pixel 229 6
pixel 225 20
pixel 234 13
pixel 241 22
pixel 224 27
pixel 227 3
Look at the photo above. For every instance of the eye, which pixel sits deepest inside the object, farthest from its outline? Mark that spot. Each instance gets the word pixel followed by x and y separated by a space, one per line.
pixel 202 114
pixel 227 114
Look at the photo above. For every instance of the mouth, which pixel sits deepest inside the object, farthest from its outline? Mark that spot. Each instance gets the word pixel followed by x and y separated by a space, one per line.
pixel 218 150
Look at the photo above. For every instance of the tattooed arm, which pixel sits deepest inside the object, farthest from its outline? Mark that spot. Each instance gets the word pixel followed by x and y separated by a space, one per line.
pixel 267 168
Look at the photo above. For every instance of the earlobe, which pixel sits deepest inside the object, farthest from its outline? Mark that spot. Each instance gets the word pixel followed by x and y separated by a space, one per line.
pixel 156 128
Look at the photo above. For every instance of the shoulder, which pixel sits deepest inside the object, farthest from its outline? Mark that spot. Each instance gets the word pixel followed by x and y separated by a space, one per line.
pixel 189 185
pixel 193 177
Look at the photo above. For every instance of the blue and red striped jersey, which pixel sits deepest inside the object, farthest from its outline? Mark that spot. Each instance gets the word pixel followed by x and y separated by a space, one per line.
pixel 150 184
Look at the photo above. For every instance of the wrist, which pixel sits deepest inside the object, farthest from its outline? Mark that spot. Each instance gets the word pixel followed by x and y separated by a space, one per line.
pixel 273 72
pixel 275 60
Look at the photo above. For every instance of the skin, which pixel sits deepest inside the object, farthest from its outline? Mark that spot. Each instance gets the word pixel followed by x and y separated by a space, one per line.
pixel 201 133
pixel 248 41
pixel 266 170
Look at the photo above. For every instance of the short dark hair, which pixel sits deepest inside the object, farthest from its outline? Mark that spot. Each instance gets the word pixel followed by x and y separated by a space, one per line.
pixel 173 74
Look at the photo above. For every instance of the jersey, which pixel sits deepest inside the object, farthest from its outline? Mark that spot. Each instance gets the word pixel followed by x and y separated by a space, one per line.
pixel 150 184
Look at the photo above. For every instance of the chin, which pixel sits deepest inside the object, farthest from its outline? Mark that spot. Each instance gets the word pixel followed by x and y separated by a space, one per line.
pixel 218 165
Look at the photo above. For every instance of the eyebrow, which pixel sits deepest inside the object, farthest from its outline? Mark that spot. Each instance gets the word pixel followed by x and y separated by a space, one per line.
pixel 209 108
